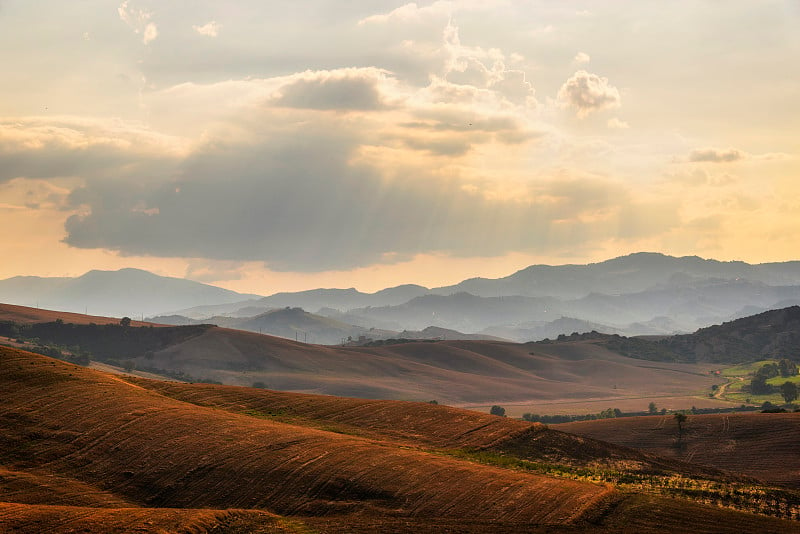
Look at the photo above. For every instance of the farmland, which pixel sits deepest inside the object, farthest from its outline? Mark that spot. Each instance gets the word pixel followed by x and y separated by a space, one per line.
pixel 183 456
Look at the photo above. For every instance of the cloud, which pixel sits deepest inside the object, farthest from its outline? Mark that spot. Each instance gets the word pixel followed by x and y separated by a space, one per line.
pixel 209 29
pixel 413 13
pixel 582 57
pixel 300 199
pixel 61 147
pixel 139 20
pixel 588 93
pixel 344 89
pixel 716 155
pixel 616 124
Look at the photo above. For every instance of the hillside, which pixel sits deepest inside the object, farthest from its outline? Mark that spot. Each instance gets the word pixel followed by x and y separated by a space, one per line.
pixel 28 315
pixel 455 372
pixel 772 334
pixel 156 460
pixel 760 445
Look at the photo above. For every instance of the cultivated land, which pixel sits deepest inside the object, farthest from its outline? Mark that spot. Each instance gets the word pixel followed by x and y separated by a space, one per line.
pixel 178 457
pixel 27 315
pixel 761 445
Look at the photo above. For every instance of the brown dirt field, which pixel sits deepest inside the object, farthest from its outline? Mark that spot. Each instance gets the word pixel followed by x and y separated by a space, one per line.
pixel 765 446
pixel 161 453
pixel 158 451
pixel 33 519
pixel 26 315
pixel 420 425
pixel 41 487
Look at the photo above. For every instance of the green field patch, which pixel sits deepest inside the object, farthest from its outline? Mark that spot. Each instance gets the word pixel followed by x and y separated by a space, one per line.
pixel 778 380
pixel 745 369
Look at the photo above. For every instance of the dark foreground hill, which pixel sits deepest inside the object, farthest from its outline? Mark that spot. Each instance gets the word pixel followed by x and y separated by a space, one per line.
pixel 135 457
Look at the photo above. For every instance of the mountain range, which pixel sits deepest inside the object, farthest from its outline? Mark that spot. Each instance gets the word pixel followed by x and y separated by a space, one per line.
pixel 642 293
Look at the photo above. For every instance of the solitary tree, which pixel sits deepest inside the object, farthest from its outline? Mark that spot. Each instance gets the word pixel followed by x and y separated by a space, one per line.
pixel 125 321
pixel 498 410
pixel 652 408
pixel 680 418
pixel 789 391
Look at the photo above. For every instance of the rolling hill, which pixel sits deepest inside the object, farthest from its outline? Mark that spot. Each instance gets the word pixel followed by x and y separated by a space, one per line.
pixel 466 372
pixel 141 457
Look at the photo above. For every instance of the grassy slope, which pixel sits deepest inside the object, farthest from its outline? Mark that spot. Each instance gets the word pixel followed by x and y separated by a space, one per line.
pixel 158 452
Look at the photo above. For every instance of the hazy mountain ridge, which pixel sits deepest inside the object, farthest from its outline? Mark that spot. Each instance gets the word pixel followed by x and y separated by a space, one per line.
pixel 131 292
pixel 295 323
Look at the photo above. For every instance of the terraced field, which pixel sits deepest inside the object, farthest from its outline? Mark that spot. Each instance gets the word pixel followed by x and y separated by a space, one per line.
pixel 128 457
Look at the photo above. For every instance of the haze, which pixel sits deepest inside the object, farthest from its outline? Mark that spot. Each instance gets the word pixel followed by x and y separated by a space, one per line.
pixel 268 146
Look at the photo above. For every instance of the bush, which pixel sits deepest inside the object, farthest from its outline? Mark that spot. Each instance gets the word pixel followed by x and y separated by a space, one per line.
pixel 498 410
pixel 787 368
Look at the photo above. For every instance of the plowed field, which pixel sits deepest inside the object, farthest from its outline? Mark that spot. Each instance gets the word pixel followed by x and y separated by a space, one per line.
pixel 144 461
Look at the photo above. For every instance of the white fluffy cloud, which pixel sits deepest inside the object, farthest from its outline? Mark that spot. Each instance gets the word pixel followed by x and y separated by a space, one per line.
pixel 588 93
pixel 582 57
pixel 139 20
pixel 209 29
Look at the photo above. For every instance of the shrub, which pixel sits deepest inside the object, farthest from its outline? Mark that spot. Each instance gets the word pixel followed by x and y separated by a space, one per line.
pixel 498 410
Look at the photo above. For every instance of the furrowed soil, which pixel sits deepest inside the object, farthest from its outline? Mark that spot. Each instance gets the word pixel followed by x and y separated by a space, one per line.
pixel 145 460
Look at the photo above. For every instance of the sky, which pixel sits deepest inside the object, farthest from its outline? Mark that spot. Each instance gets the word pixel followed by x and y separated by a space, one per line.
pixel 285 145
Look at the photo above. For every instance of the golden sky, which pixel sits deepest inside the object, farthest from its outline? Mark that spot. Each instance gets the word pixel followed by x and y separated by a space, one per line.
pixel 272 146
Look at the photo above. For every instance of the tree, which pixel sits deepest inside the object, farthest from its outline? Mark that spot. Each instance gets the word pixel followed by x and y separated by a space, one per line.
pixel 768 370
pixel 498 410
pixel 652 408
pixel 789 391
pixel 680 418
pixel 259 385
pixel 125 322
pixel 787 368
pixel 759 386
